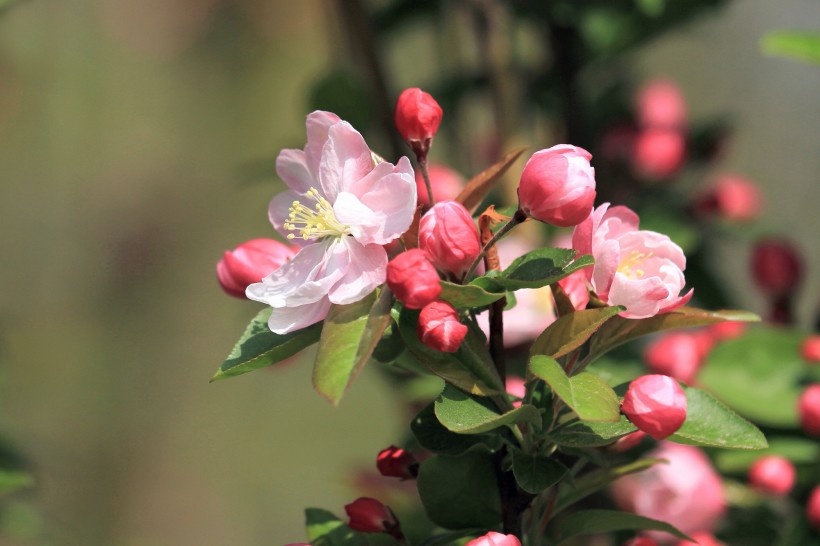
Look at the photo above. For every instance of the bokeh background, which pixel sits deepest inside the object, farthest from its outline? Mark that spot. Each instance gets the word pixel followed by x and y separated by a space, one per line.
pixel 136 143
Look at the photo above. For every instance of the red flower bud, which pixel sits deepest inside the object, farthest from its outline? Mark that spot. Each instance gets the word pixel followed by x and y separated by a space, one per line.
pixel 558 185
pixel 733 198
pixel 808 409
pixel 413 279
pixel 439 327
pixel 810 349
pixel 773 475
pixel 702 539
pixel 640 541
pixel 813 508
pixel 625 443
pixel 656 404
pixel 724 331
pixel 777 267
pixel 678 355
pixel 446 183
pixel 660 104
pixel 494 539
pixel 370 516
pixel 418 116
pixel 658 153
pixel 449 237
pixel 250 262
pixel 395 462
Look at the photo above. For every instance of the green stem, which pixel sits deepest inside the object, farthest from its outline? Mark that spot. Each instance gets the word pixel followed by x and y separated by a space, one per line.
pixel 517 218
pixel 422 159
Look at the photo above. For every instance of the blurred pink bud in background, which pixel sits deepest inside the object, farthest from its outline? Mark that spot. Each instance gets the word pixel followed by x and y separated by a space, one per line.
pixel 656 404
pixel 449 237
pixel 558 185
pixel 368 515
pixel 773 475
pixel 418 116
pixel 517 387
pixel 640 541
pixel 494 539
pixel 250 262
pixel 724 331
pixel 446 183
pixel 677 354
pixel 658 153
pixel 810 349
pixel 777 267
pixel 631 440
pixel 395 462
pixel 439 327
pixel 660 105
pixel 813 508
pixel 808 409
pixel 413 279
pixel 733 198
pixel 702 539
pixel 686 492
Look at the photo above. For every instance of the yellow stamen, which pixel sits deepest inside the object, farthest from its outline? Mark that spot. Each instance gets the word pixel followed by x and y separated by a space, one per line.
pixel 316 222
pixel 631 265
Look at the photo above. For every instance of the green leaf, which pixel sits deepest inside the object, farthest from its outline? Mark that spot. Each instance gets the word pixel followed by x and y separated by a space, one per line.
pixel 432 435
pixel 14 480
pixel 463 296
pixel 325 529
pixel 651 8
pixel 793 44
pixel 597 480
pixel 585 434
pixel 797 449
pixel 619 330
pixel 470 368
pixel 710 423
pixel 259 347
pixel 534 472
pixel 586 394
pixel 377 322
pixel 571 331
pixel 758 375
pixel 541 267
pixel 464 414
pixel 589 522
pixel 459 492
pixel 338 359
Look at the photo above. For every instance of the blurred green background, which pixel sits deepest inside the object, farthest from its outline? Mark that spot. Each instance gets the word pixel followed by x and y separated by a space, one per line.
pixel 129 130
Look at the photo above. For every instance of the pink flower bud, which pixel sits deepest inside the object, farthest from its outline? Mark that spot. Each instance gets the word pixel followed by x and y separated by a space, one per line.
pixel 813 508
pixel 418 116
pixel 656 404
pixel 449 237
pixel 808 409
pixel 733 198
pixel 685 492
pixel 630 441
pixel 494 539
pixel 446 183
pixel 250 262
pixel 517 387
pixel 777 267
pixel 370 516
pixel 558 185
pixel 660 104
pixel 413 279
pixel 810 349
pixel 677 354
pixel 702 539
pixel 439 327
pixel 395 462
pixel 640 541
pixel 724 331
pixel 658 153
pixel 773 475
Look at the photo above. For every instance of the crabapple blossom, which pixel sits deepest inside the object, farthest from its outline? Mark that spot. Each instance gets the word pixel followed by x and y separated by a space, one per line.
pixel 446 183
pixel 660 104
pixel 558 185
pixel 439 327
pixel 369 515
pixel 638 269
pixel 658 153
pixel 685 492
pixel 342 206
pixel 676 354
pixel 774 475
pixel 250 262
pixel 449 237
pixel 413 279
pixel 808 409
pixel 494 539
pixel 656 404
pixel 397 463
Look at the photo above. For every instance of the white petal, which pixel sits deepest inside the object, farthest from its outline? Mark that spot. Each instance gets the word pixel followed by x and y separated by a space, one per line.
pixel 292 169
pixel 367 270
pixel 287 319
pixel 278 211
pixel 362 221
pixel 345 159
pixel 317 125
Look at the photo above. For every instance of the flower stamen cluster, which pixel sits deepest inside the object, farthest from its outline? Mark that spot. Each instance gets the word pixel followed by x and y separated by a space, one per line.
pixel 315 223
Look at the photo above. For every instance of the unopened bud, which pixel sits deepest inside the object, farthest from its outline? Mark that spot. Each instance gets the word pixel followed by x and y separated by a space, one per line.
pixel 439 327
pixel 810 349
pixel 656 404
pixel 808 409
pixel 449 237
pixel 418 116
pixel 773 475
pixel 368 515
pixel 413 279
pixel 250 262
pixel 813 508
pixel 494 539
pixel 777 267
pixel 395 462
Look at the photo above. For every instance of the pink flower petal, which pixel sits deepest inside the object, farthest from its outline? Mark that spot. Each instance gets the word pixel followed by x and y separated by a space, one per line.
pixel 366 269
pixel 345 160
pixel 292 169
pixel 287 319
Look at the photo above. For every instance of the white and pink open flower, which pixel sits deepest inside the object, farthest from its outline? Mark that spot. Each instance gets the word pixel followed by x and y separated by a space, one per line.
pixel 639 269
pixel 342 206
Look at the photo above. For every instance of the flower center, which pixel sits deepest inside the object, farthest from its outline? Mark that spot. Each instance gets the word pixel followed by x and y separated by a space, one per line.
pixel 631 265
pixel 316 222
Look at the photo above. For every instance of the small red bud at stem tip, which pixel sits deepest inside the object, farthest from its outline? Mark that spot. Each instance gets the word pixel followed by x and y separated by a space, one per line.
pixel 418 116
